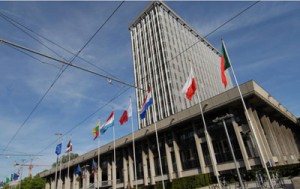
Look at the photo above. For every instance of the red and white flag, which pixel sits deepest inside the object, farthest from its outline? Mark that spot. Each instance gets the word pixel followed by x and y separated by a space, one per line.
pixel 126 114
pixel 190 86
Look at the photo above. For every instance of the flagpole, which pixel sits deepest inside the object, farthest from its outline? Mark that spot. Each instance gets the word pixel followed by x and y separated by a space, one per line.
pixel 114 165
pixel 61 139
pixel 56 172
pixel 133 145
pixel 209 144
pixel 262 159
pixel 69 162
pixel 157 143
pixel 98 163
pixel 59 134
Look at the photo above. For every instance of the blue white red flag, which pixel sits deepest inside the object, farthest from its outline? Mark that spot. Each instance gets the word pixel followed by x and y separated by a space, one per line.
pixel 69 147
pixel 109 123
pixel 147 102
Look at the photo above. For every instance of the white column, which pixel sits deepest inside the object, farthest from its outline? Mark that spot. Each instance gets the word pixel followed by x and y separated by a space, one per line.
pixel 130 168
pixel 271 137
pixel 151 162
pixel 199 151
pixel 99 176
pixel 53 184
pixel 86 180
pixel 241 144
pixel 47 186
pixel 259 138
pixel 76 181
pixel 169 160
pixel 59 183
pixel 262 135
pixel 114 175
pixel 67 183
pixel 145 166
pixel 177 156
pixel 109 172
pixel 125 170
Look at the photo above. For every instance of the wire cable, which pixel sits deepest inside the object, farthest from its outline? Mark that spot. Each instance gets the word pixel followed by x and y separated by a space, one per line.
pixel 20 26
pixel 55 80
pixel 168 60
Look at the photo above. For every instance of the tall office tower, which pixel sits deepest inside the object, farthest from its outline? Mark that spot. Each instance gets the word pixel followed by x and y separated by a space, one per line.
pixel 164 49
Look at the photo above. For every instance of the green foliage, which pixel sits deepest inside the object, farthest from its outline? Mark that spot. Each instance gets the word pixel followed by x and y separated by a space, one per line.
pixel 65 158
pixel 33 183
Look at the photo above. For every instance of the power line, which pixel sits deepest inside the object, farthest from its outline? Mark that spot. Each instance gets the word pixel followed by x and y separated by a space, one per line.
pixel 166 62
pixel 67 64
pixel 18 24
pixel 43 62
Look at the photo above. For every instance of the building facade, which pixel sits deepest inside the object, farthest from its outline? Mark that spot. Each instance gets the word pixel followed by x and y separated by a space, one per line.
pixel 184 148
pixel 164 49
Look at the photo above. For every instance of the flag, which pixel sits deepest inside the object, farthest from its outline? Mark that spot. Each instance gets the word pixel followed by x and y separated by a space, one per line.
pixel 7 180
pixel 58 149
pixel 109 123
pixel 225 63
pixel 94 166
pixel 190 86
pixel 126 114
pixel 69 147
pixel 96 130
pixel 78 170
pixel 16 176
pixel 147 102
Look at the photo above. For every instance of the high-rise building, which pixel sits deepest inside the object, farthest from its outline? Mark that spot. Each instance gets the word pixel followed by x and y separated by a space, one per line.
pixel 164 49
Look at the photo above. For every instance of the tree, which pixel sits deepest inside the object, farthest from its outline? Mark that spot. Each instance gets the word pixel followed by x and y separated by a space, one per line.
pixel 35 182
pixel 65 158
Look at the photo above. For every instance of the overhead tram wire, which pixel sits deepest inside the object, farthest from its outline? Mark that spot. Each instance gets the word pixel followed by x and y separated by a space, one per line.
pixel 197 41
pixel 67 64
pixel 43 62
pixel 18 24
pixel 14 23
pixel 166 62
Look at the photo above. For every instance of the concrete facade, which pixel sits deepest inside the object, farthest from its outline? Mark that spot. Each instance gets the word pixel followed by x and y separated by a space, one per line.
pixel 183 145
pixel 158 36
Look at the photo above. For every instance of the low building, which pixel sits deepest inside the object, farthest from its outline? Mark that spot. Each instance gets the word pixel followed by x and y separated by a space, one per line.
pixel 183 147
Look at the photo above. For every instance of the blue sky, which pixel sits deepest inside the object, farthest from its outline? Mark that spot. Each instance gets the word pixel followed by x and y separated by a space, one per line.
pixel 262 43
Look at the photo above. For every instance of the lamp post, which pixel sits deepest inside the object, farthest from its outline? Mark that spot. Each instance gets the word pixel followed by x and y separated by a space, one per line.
pixel 219 119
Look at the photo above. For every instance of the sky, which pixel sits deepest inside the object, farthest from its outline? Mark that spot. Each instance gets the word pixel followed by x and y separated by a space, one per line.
pixel 263 45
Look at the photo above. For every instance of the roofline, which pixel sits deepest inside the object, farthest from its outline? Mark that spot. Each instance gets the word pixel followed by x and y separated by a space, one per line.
pixel 248 89
pixel 180 20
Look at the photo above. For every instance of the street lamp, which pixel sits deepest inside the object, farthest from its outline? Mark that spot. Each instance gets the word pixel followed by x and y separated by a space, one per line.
pixel 219 119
